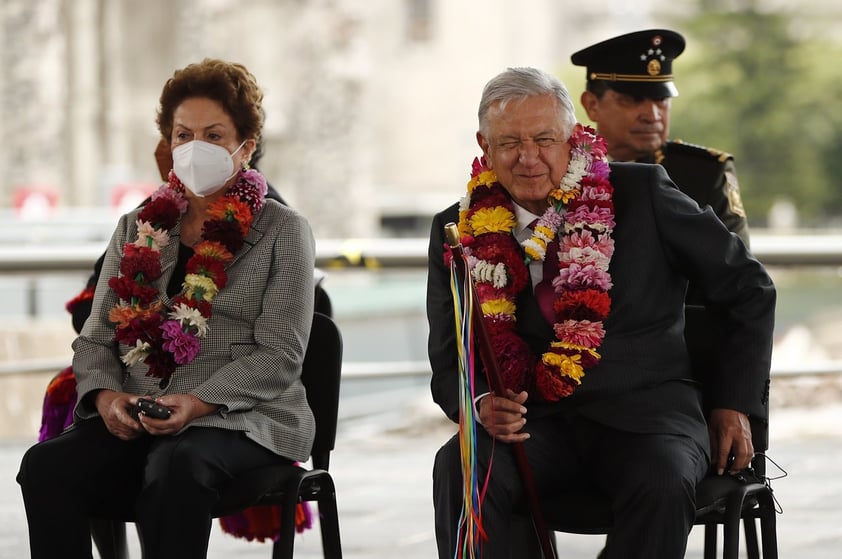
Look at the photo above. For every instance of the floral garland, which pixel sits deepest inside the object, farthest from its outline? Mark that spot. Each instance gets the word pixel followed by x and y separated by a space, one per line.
pixel 164 338
pixel 581 211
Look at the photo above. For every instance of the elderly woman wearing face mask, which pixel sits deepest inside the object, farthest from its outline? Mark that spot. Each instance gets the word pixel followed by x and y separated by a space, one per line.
pixel 203 309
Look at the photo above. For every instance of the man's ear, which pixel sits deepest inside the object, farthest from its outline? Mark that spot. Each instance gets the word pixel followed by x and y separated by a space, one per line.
pixel 483 145
pixel 590 102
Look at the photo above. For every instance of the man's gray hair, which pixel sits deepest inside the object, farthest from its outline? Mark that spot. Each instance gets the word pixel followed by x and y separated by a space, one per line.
pixel 520 83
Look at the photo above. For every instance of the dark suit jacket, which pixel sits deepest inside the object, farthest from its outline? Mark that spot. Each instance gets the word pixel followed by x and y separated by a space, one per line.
pixel 643 383
pixel 709 177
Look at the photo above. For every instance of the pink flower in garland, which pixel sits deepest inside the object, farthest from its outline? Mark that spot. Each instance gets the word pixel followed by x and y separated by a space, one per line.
pixel 594 217
pixel 580 332
pixel 577 276
pixel 251 188
pixel 588 241
pixel 183 345
pixel 599 171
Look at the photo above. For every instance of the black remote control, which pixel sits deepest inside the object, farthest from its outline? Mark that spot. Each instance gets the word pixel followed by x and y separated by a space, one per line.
pixel 153 409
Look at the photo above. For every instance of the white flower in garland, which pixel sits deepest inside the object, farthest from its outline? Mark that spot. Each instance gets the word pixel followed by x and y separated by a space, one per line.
pixel 576 170
pixel 495 274
pixel 137 354
pixel 191 317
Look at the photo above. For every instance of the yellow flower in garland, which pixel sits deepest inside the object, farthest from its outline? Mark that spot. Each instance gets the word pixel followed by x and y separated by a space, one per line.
pixel 575 347
pixel 497 307
pixel 485 178
pixel 492 220
pixel 568 365
pixel 563 196
pixel 199 287
pixel 541 237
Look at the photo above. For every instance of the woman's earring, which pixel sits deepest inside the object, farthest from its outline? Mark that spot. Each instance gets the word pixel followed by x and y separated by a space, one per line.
pixel 245 165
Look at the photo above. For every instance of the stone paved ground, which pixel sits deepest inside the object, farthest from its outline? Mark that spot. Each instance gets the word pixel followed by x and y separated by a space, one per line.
pixel 383 485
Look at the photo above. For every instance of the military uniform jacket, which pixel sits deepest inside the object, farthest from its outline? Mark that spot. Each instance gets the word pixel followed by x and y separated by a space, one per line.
pixel 643 383
pixel 709 177
pixel 250 361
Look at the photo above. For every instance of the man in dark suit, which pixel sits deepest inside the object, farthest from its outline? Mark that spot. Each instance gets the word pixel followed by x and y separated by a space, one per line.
pixel 629 91
pixel 621 410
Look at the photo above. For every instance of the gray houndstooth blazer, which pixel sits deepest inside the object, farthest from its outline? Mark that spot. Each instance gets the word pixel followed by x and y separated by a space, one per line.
pixel 250 360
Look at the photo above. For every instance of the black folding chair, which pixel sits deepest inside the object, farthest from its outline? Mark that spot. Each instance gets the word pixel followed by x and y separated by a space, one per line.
pixel 287 485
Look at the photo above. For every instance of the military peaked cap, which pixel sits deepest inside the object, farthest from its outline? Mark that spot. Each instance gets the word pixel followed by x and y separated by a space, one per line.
pixel 638 63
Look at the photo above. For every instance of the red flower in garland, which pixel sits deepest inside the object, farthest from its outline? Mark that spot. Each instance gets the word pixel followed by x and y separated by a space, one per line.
pixel 129 289
pixel 513 353
pixel 161 212
pixel 227 233
pixel 142 327
pixel 210 267
pixel 141 263
pixel 584 304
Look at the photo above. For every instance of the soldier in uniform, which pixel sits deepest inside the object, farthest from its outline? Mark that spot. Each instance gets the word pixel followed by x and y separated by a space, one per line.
pixel 629 91
pixel 628 95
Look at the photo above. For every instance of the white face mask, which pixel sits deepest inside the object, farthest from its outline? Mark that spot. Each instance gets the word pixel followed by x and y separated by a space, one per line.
pixel 204 168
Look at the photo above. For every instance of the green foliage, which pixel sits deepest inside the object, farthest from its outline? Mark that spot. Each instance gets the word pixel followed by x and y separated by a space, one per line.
pixel 762 85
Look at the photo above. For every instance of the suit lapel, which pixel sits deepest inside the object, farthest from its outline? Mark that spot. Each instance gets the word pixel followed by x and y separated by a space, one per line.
pixel 253 236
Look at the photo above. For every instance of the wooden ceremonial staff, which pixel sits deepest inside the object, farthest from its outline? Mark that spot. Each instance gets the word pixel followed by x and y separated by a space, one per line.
pixel 495 381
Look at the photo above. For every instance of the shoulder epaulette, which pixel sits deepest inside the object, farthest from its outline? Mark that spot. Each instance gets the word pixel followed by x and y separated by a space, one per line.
pixel 679 145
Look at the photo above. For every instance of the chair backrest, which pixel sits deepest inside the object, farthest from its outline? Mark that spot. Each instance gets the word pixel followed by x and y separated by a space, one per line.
pixel 321 376
pixel 322 302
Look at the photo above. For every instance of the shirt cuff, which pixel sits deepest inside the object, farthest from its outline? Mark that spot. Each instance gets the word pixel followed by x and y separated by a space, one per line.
pixel 476 409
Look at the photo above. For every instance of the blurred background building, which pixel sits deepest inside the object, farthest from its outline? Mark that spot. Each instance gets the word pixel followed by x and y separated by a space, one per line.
pixel 372 105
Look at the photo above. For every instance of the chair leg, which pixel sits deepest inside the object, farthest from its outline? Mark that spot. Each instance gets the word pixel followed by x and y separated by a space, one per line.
pixel 710 540
pixel 329 522
pixel 768 528
pixel 284 545
pixel 110 538
pixel 731 532
pixel 750 531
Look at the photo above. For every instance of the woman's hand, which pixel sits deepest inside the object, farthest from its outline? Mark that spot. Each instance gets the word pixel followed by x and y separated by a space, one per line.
pixel 502 416
pixel 115 408
pixel 185 408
